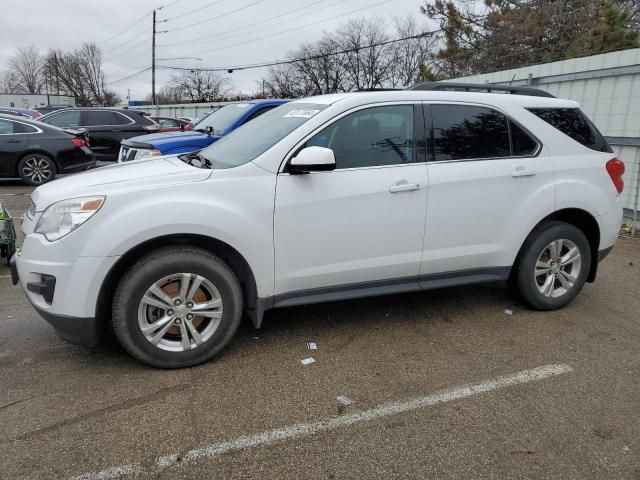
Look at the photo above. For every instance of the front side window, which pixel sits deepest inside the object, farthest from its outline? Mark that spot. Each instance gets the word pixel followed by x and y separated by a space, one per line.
pixel 6 127
pixel 64 119
pixel 371 137
pixel 469 132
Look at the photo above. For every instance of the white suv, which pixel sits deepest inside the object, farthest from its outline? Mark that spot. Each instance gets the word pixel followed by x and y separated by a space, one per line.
pixel 325 198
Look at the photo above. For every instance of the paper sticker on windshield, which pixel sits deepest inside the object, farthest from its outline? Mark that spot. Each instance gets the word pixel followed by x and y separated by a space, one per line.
pixel 303 113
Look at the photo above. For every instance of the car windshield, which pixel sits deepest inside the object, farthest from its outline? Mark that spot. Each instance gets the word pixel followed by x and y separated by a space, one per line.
pixel 223 118
pixel 256 137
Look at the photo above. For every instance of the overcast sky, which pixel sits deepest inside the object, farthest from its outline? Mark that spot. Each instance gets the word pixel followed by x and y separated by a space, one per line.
pixel 66 24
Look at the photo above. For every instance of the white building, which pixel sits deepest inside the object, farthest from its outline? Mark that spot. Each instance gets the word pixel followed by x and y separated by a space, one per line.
pixel 31 101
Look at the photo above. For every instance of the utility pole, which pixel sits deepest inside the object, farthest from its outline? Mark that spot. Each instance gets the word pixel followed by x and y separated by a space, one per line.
pixel 153 61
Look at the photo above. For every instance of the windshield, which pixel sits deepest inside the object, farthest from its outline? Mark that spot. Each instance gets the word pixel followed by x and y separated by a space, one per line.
pixel 257 136
pixel 223 118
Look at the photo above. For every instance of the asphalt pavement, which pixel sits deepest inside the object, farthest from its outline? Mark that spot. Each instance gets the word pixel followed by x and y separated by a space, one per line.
pixel 443 384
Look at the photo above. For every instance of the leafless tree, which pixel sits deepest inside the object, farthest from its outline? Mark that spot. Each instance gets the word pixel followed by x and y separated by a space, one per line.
pixel 25 68
pixel 168 95
pixel 409 58
pixel 79 73
pixel 8 83
pixel 199 86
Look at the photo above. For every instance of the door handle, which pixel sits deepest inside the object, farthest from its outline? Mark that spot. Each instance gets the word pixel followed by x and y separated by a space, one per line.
pixel 14 140
pixel 403 186
pixel 522 172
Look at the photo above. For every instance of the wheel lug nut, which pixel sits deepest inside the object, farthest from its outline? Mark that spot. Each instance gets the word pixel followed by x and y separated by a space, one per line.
pixel 189 305
pixel 178 321
pixel 177 302
pixel 169 312
pixel 189 317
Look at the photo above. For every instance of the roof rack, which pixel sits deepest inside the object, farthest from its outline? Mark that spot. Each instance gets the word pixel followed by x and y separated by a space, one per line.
pixel 480 88
pixel 376 89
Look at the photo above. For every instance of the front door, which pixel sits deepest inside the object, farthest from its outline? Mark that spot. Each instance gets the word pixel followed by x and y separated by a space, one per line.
pixel 363 222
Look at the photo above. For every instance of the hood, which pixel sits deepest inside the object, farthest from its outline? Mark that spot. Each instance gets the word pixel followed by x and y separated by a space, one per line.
pixel 120 178
pixel 171 140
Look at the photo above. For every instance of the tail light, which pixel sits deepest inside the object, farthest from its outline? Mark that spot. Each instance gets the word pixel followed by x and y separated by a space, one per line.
pixel 151 128
pixel 615 169
pixel 80 142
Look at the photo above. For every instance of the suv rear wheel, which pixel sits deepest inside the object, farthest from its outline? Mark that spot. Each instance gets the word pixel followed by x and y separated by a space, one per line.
pixel 177 307
pixel 553 266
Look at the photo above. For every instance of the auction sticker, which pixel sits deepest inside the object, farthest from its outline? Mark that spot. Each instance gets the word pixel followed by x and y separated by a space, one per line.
pixel 302 113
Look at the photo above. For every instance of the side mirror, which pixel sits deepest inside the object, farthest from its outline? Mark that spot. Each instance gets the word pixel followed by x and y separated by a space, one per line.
pixel 313 159
pixel 209 130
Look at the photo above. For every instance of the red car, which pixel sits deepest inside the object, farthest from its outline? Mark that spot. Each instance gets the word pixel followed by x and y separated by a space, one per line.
pixel 169 124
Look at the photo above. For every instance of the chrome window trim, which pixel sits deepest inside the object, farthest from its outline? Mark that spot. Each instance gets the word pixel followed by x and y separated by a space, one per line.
pixel 331 121
pixel 38 130
pixel 535 154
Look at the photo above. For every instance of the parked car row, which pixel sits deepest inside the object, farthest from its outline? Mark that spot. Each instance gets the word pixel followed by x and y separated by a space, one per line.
pixel 113 135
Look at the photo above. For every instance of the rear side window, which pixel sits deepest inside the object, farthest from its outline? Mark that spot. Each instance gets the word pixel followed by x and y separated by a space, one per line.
pixel 24 128
pixel 469 132
pixel 100 117
pixel 573 123
pixel 120 119
pixel 521 142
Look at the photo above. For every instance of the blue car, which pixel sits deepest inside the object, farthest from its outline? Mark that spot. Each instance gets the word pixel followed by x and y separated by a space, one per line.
pixel 204 133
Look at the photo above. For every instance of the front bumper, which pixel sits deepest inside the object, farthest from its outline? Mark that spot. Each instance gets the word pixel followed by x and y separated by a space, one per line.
pixel 62 287
pixel 84 331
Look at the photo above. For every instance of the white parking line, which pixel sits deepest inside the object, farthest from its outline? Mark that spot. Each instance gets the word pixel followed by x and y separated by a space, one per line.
pixel 317 426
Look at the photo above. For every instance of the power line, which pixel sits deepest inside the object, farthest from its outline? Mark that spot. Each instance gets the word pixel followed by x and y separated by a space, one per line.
pixel 170 19
pixel 219 34
pixel 126 29
pixel 302 59
pixel 224 47
pixel 126 42
pixel 129 76
pixel 216 17
pixel 141 43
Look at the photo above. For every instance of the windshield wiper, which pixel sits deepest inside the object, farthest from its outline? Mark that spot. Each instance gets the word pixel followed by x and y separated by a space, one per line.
pixel 196 160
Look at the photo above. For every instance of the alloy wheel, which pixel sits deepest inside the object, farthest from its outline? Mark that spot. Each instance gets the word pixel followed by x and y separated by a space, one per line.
pixel 180 312
pixel 557 268
pixel 38 170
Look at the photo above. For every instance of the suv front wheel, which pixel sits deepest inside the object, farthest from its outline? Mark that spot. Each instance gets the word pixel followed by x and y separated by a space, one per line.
pixel 553 266
pixel 177 307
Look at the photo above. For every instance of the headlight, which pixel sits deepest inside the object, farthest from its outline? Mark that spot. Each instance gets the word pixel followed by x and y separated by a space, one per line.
pixel 143 153
pixel 64 217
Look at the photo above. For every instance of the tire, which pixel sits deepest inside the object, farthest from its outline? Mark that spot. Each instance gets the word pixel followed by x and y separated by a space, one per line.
pixel 36 169
pixel 551 285
pixel 137 305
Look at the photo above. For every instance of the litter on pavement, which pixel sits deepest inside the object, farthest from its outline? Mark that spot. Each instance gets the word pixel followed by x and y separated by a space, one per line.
pixel 508 312
pixel 343 399
pixel 308 360
pixel 312 346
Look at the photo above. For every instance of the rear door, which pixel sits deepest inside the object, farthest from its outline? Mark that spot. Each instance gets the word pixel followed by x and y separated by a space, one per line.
pixel 489 179
pixel 105 133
